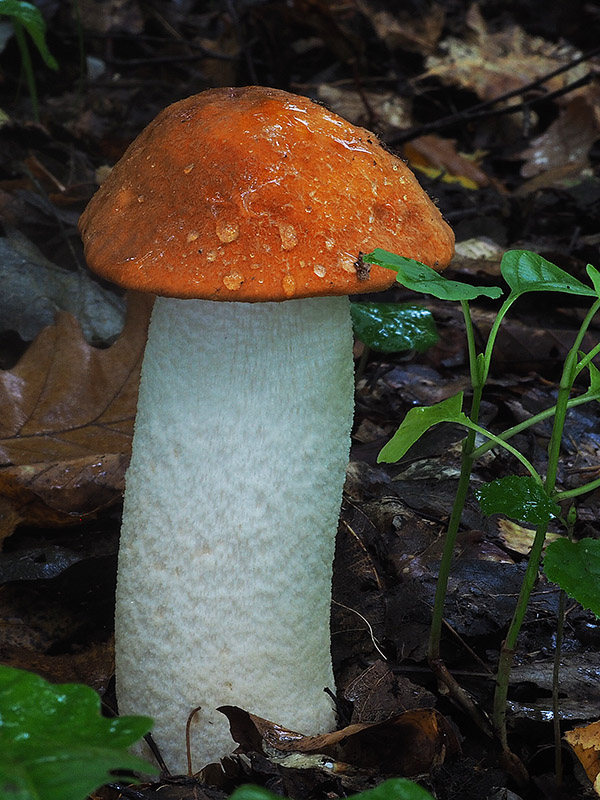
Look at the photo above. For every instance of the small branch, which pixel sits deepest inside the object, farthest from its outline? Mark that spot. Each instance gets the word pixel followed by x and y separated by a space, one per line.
pixel 486 108
pixel 462 698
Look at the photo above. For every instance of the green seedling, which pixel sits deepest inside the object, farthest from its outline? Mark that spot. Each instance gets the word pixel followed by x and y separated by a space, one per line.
pixel 54 743
pixel 25 17
pixel 528 497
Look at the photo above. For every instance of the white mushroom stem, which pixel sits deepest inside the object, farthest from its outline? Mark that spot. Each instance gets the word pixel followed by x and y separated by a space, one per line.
pixel 231 507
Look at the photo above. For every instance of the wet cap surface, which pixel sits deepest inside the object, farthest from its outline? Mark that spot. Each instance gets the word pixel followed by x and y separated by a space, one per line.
pixel 255 194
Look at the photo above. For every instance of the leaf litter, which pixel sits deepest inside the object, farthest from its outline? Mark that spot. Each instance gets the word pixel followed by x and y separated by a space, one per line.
pixel 536 188
pixel 65 435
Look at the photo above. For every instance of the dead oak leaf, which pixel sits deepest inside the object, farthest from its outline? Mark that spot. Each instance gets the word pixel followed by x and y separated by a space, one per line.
pixel 585 742
pixel 567 141
pixel 438 158
pixel 409 743
pixel 68 412
pixel 492 63
pixel 404 29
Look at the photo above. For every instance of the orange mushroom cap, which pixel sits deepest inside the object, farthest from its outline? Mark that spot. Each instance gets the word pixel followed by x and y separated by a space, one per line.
pixel 254 194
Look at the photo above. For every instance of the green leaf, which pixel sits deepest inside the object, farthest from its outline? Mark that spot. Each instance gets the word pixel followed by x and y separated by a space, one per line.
pixel 594 277
pixel 54 743
pixel 396 789
pixel 417 422
pixel 519 497
pixel 32 20
pixel 392 789
pixel 575 567
pixel 594 387
pixel 422 278
pixel 393 327
pixel 529 272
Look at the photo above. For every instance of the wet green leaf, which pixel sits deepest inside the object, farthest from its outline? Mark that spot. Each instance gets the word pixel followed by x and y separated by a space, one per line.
pixel 55 744
pixel 594 277
pixel 594 379
pixel 393 327
pixel 31 19
pixel 519 497
pixel 529 272
pixel 417 421
pixel 575 567
pixel 422 278
pixel 393 789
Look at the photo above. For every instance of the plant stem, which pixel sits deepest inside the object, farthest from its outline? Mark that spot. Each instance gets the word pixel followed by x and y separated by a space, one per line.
pixel 435 632
pixel 497 440
pixel 437 619
pixel 571 402
pixel 558 765
pixel 587 487
pixel 588 358
pixel 27 67
pixel 528 423
pixel 509 644
pixel 487 356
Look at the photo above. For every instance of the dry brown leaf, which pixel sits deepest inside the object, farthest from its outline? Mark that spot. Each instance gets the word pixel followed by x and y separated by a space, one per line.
pixel 403 29
pixel 388 109
pixel 480 255
pixel 568 140
pixel 68 411
pixel 520 539
pixel 118 15
pixel 491 64
pixel 377 694
pixel 561 178
pixel 585 742
pixel 438 157
pixel 410 743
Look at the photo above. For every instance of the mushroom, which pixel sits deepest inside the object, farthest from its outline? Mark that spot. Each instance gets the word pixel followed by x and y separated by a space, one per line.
pixel 262 201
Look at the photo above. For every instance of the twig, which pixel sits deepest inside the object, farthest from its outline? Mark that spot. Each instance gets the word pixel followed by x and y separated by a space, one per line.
pixel 485 108
pixel 188 738
pixel 369 627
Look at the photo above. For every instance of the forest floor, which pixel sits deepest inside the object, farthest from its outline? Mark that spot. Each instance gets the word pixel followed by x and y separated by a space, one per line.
pixel 496 107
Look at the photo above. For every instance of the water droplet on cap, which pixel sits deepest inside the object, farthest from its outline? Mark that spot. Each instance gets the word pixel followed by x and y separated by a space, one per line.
pixel 227 231
pixel 233 281
pixel 347 263
pixel 289 285
pixel 289 238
